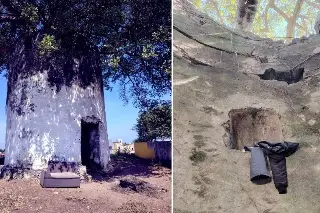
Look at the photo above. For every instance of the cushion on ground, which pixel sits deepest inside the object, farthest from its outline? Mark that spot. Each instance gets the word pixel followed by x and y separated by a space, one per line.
pixel 60 183
pixel 63 175
pixel 57 180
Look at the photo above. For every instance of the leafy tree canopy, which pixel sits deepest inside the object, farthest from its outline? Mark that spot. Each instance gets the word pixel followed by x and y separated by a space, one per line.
pixel 130 40
pixel 154 122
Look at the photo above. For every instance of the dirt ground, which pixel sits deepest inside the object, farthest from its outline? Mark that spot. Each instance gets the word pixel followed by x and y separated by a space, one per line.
pixel 26 195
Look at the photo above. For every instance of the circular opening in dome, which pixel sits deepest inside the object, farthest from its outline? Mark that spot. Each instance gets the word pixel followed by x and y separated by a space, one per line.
pixel 274 19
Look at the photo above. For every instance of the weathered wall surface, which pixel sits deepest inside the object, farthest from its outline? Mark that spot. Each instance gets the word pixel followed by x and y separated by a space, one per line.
pixel 215 71
pixel 143 151
pixel 162 150
pixel 45 124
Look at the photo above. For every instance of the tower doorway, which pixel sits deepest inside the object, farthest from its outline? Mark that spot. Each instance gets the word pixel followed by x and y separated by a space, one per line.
pixel 90 147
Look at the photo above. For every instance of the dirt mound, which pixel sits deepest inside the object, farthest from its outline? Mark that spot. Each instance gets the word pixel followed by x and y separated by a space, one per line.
pixel 135 185
pixel 132 207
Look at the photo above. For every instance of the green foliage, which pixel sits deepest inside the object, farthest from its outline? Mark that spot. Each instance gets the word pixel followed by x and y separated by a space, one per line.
pixel 114 61
pixel 126 150
pixel 197 3
pixel 148 51
pixel 47 44
pixel 275 19
pixel 131 40
pixel 137 140
pixel 154 122
pixel 30 12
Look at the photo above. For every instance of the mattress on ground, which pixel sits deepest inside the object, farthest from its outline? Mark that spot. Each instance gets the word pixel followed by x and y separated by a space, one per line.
pixel 62 175
pixel 60 183
pixel 59 180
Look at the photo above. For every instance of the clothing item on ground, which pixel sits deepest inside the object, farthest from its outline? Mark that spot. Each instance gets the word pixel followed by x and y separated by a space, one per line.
pixel 259 172
pixel 277 153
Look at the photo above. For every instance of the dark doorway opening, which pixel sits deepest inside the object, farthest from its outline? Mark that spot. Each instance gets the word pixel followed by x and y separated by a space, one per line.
pixel 1 159
pixel 90 145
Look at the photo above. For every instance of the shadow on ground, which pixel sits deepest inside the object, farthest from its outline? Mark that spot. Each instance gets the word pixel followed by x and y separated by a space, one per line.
pixel 122 165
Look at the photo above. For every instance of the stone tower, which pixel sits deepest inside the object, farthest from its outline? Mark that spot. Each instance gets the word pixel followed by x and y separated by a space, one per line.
pixel 55 113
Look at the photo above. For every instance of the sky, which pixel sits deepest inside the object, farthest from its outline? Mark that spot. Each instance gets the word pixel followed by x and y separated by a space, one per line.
pixel 120 118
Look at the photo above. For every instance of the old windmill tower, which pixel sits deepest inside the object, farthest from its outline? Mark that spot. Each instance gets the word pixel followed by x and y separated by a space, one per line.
pixel 55 113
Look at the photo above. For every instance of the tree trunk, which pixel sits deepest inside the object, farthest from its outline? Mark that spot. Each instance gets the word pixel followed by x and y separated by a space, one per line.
pixel 217 70
pixel 50 105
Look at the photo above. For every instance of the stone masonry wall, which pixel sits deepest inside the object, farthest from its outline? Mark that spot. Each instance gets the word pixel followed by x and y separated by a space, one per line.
pixel 45 124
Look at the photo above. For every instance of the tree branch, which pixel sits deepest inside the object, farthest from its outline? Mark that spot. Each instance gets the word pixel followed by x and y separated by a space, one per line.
pixel 10 7
pixel 280 12
pixel 216 8
pixel 6 18
pixel 312 4
pixel 293 19
pixel 264 16
pixel 301 27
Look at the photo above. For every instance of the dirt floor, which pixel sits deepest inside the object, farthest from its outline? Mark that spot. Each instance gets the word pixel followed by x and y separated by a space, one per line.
pixel 216 72
pixel 100 195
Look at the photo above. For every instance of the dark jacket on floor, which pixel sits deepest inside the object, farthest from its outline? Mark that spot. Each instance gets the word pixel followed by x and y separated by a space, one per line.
pixel 277 153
